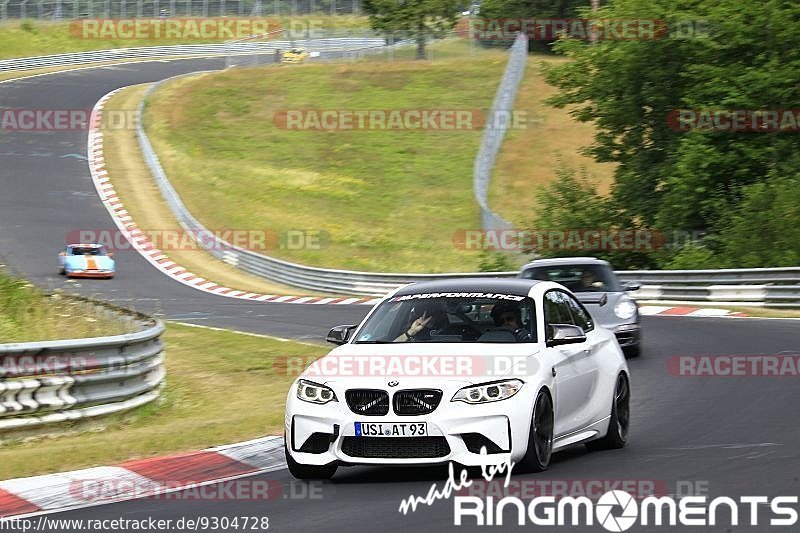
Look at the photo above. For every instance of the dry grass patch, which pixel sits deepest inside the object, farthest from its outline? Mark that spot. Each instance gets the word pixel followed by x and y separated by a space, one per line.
pixel 529 158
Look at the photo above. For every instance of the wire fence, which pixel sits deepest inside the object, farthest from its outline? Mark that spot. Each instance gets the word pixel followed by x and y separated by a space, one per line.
pixel 76 9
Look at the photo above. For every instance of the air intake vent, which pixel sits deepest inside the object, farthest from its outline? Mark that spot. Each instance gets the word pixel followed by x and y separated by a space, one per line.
pixel 416 401
pixel 369 402
pixel 316 443
pixel 395 447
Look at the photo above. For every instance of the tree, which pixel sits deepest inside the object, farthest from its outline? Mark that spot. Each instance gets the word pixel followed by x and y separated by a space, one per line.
pixel 532 9
pixel 416 18
pixel 746 58
pixel 572 203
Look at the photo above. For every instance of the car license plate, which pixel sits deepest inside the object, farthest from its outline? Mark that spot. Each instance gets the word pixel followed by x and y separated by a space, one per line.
pixel 391 429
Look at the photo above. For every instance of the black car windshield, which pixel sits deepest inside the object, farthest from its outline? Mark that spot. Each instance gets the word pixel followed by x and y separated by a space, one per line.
pixel 88 250
pixel 577 277
pixel 451 317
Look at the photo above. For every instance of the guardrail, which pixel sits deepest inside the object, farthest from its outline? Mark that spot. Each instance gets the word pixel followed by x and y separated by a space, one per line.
pixel 328 44
pixel 760 287
pixel 495 131
pixel 772 287
pixel 75 9
pixel 285 272
pixel 57 381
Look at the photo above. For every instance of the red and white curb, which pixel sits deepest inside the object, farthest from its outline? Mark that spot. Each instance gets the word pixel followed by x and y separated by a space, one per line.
pixel 155 256
pixel 707 312
pixel 155 478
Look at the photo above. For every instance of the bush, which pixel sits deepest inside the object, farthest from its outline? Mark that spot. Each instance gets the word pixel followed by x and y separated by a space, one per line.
pixel 572 203
pixel 693 256
pixel 764 228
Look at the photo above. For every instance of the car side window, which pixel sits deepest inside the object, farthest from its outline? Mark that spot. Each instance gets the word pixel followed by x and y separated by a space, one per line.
pixel 580 316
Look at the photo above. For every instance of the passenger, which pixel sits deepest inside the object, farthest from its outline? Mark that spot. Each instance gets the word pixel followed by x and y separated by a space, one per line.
pixel 426 318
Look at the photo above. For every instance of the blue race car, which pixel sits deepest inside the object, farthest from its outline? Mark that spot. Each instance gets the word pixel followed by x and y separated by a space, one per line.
pixel 86 261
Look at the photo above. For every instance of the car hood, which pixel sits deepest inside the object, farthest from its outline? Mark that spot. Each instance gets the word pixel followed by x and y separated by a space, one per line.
pixel 89 262
pixel 604 314
pixel 423 364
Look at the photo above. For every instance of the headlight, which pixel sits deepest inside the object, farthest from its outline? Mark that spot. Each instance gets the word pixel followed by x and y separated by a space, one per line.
pixel 488 392
pixel 308 391
pixel 625 309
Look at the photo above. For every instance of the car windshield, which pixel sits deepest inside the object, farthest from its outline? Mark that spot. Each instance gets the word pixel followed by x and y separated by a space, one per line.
pixel 473 317
pixel 578 277
pixel 88 250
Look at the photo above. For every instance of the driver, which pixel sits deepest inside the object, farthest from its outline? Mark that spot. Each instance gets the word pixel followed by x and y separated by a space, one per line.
pixel 507 316
pixel 588 280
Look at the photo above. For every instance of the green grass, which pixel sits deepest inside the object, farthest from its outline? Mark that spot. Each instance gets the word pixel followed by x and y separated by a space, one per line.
pixel 28 38
pixel 391 200
pixel 221 388
pixel 26 314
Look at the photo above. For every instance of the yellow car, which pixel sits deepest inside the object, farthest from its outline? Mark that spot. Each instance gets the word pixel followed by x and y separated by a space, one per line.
pixel 295 55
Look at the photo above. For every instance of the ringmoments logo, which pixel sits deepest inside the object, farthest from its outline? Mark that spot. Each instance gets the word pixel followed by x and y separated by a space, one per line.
pixel 618 510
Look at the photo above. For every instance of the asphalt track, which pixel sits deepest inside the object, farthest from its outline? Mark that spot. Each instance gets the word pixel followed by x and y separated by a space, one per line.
pixel 725 436
pixel 735 436
pixel 46 191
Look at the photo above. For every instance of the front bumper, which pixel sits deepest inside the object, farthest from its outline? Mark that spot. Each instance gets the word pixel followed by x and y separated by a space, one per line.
pixel 89 274
pixel 323 434
pixel 628 335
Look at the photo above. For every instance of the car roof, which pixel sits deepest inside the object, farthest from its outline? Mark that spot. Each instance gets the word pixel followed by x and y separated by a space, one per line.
pixel 515 286
pixel 558 261
pixel 86 245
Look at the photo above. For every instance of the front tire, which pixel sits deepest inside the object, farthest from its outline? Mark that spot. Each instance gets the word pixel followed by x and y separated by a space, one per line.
pixel 301 471
pixel 617 434
pixel 540 436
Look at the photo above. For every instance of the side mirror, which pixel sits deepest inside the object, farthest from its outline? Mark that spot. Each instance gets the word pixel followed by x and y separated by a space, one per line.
pixel 565 334
pixel 62 253
pixel 631 286
pixel 340 334
pixel 110 255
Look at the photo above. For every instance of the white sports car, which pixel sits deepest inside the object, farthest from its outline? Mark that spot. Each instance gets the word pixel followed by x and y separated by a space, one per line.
pixel 474 371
